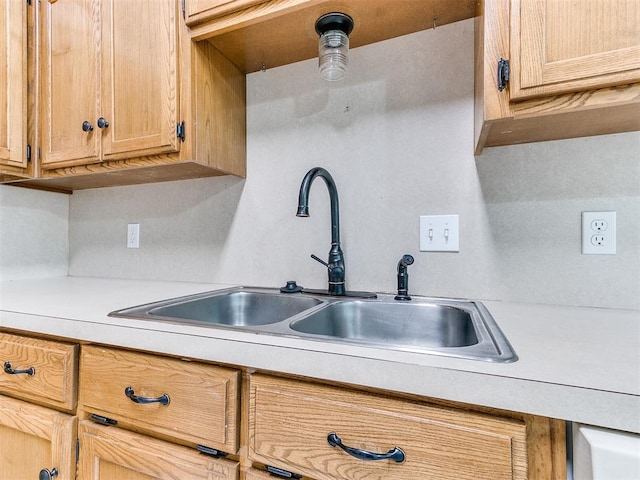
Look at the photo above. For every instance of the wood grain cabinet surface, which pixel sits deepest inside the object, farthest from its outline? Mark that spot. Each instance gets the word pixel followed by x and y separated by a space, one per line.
pixel 198 11
pixel 125 97
pixel 202 401
pixel 110 453
pixel 560 47
pixel 290 421
pixel 574 70
pixel 47 370
pixel 99 60
pixel 34 438
pixel 13 89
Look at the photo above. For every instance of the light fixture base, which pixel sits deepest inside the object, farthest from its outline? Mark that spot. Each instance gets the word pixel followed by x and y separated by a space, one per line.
pixel 334 21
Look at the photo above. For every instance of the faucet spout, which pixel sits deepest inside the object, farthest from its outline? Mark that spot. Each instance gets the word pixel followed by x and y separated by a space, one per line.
pixel 335 265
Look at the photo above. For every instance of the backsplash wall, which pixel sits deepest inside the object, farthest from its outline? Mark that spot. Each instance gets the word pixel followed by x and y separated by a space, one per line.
pixel 397 136
pixel 34 233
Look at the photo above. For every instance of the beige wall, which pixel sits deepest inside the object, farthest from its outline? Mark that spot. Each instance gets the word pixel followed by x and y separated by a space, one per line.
pixel 398 138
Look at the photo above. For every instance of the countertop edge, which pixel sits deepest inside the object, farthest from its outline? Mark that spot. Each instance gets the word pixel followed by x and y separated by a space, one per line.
pixel 589 406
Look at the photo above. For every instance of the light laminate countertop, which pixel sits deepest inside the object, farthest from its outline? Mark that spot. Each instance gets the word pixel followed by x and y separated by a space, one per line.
pixel 575 363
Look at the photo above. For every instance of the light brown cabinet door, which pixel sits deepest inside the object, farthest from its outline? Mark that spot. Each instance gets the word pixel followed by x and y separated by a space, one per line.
pixel 139 94
pixel 109 80
pixel 110 453
pixel 70 85
pixel 35 438
pixel 560 46
pixel 13 83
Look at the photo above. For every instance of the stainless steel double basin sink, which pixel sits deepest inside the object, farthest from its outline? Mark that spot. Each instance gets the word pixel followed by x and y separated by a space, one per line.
pixel 456 328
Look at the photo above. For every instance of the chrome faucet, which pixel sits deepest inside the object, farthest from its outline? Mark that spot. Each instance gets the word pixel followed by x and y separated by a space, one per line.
pixel 335 265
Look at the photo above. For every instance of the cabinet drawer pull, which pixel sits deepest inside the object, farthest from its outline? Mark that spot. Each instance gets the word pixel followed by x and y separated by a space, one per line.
pixel 163 399
pixel 102 123
pixel 396 454
pixel 7 369
pixel 86 126
pixel 48 475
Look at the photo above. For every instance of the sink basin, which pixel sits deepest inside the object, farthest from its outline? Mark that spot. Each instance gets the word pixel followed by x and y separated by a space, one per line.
pixel 447 327
pixel 238 308
pixel 413 325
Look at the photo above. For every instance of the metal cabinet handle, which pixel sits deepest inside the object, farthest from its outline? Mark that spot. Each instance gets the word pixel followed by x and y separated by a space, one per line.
pixel 163 399
pixel 7 369
pixel 396 454
pixel 48 475
pixel 102 123
pixel 86 126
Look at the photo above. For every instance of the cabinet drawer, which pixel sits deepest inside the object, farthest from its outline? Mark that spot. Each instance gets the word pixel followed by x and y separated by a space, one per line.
pixel 289 422
pixel 52 373
pixel 107 452
pixel 202 399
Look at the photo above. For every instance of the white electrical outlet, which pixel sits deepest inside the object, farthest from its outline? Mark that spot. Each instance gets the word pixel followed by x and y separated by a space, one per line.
pixel 133 235
pixel 599 233
pixel 439 233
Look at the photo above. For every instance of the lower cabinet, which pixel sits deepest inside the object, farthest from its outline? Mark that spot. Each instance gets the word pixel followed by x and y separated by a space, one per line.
pixel 35 439
pixel 327 432
pixel 142 416
pixel 110 453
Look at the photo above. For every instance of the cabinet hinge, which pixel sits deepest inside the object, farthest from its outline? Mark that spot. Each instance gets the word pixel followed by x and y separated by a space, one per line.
pixel 28 153
pixel 180 131
pixel 183 9
pixel 503 73
pixel 279 472
pixel 28 2
pixel 212 452
pixel 77 450
pixel 103 420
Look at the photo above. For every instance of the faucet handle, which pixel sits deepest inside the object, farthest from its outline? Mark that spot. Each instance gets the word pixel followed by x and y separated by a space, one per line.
pixel 319 260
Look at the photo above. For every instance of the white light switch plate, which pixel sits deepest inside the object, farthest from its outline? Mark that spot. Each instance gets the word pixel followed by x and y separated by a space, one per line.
pixel 439 233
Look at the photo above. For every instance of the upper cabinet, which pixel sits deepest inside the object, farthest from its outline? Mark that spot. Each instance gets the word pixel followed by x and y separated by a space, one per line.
pixel 97 93
pixel 13 88
pixel 125 97
pixel 109 80
pixel 573 69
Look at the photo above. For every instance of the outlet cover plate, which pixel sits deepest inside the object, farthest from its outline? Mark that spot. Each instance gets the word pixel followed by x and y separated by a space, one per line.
pixel 439 233
pixel 598 233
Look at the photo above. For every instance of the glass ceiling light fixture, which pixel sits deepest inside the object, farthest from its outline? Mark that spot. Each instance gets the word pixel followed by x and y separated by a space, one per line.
pixel 333 46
